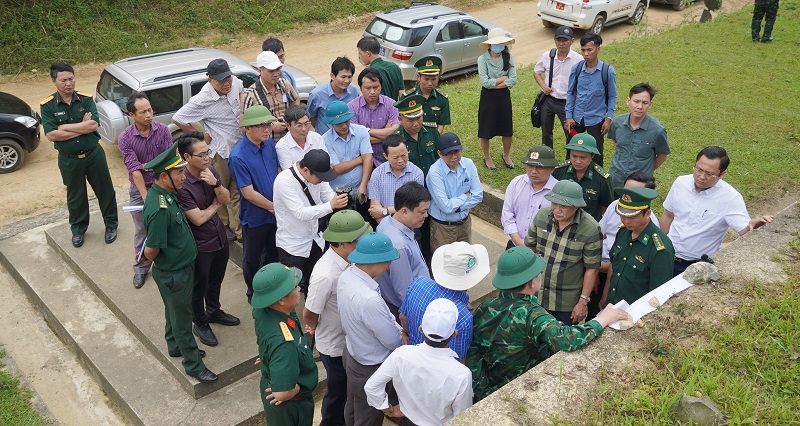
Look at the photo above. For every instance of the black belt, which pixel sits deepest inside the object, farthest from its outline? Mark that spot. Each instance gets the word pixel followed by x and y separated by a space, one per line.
pixel 682 261
pixel 80 155
pixel 450 222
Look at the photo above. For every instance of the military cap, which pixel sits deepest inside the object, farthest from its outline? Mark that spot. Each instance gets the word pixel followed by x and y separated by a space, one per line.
pixel 541 156
pixel 374 247
pixel 346 226
pixel 516 266
pixel 411 106
pixel 567 193
pixel 429 65
pixel 272 283
pixel 633 201
pixel 255 115
pixel 169 159
pixel 583 142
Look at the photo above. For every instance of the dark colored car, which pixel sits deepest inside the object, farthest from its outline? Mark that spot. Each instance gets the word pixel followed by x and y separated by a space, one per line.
pixel 19 131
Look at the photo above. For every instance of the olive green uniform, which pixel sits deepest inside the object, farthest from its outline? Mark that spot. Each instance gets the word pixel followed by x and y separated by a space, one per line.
pixel 595 183
pixel 80 159
pixel 422 151
pixel 173 270
pixel 286 360
pixel 639 265
pixel 436 108
pixel 392 78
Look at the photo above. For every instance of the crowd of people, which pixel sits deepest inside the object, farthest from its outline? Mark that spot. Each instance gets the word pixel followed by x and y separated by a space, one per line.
pixel 360 203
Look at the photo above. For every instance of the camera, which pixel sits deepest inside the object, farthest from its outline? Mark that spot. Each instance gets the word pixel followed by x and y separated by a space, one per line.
pixel 353 197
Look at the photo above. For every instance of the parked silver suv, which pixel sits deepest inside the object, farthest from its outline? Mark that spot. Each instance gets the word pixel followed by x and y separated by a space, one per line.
pixel 428 29
pixel 169 79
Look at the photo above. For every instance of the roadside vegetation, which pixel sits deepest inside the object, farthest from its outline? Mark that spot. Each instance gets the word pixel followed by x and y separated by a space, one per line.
pixel 15 407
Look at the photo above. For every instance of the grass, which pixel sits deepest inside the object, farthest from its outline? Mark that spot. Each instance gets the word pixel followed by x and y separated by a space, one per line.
pixel 15 407
pixel 39 32
pixel 715 87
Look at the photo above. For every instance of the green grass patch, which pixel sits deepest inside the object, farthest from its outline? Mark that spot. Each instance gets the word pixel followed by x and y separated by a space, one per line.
pixel 15 407
pixel 39 32
pixel 715 87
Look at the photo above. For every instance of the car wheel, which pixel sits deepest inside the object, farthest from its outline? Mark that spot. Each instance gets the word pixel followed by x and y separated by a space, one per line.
pixel 597 25
pixel 680 5
pixel 12 156
pixel 547 24
pixel 638 14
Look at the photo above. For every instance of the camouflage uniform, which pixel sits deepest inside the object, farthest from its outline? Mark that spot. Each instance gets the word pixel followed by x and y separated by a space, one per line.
pixel 762 8
pixel 512 335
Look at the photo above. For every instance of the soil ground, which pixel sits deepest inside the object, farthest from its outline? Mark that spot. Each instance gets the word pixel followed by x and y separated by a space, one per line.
pixel 70 394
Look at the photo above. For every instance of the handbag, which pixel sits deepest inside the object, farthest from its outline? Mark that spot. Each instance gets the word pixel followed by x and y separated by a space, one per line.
pixel 536 109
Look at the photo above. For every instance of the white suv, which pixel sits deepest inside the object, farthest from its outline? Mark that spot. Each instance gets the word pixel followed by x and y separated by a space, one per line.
pixel 590 15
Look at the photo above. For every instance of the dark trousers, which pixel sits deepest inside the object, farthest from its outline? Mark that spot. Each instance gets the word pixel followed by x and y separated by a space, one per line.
pixel 762 8
pixel 209 271
pixel 176 292
pixel 336 394
pixel 595 131
pixel 258 249
pixel 564 317
pixel 594 304
pixel 552 108
pixel 305 264
pixel 75 172
pixel 357 412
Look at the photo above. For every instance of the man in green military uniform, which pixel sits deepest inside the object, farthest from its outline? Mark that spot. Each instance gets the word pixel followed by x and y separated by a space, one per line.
pixel 70 121
pixel 421 141
pixel 592 177
pixel 642 255
pixel 170 245
pixel 436 106
pixel 392 84
pixel 513 333
pixel 288 370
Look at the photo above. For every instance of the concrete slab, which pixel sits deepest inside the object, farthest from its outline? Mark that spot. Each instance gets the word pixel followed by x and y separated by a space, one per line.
pixel 107 270
pixel 138 384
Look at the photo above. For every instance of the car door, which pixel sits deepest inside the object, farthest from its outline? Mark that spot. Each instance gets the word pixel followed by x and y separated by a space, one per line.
pixel 474 34
pixel 449 45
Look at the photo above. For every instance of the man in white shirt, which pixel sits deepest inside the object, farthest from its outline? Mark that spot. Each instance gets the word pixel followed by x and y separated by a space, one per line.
pixel 432 386
pixel 555 88
pixel 301 197
pixel 321 312
pixel 371 333
pixel 217 105
pixel 300 139
pixel 701 207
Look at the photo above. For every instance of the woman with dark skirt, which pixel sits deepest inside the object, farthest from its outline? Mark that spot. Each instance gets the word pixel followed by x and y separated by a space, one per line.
pixel 498 74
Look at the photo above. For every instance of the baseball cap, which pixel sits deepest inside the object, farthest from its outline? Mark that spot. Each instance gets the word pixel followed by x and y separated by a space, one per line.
pixel 460 265
pixel 563 32
pixel 448 142
pixel 218 69
pixel 268 60
pixel 439 320
pixel 319 162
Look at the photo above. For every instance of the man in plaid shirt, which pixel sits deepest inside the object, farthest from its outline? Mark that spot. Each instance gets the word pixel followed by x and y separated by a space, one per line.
pixel 570 242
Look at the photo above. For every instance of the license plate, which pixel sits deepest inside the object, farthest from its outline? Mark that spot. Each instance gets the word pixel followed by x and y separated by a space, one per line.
pixel 559 6
pixel 383 51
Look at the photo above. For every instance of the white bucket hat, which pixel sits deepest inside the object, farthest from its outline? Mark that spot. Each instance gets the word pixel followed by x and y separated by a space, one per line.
pixel 497 36
pixel 459 266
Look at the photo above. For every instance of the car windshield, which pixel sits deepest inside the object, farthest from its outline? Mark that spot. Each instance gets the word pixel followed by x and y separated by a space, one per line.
pixel 393 33
pixel 113 90
pixel 10 104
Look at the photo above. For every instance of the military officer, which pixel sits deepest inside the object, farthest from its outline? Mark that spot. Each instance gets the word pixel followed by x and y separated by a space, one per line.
pixel 642 255
pixel 421 141
pixel 170 245
pixel 70 121
pixel 436 106
pixel 592 177
pixel 288 370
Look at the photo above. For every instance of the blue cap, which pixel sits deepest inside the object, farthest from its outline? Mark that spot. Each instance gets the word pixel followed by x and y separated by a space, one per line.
pixel 337 112
pixel 374 247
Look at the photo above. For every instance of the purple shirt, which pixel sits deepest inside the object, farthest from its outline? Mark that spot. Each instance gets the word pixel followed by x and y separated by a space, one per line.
pixel 522 203
pixel 197 194
pixel 137 150
pixel 375 118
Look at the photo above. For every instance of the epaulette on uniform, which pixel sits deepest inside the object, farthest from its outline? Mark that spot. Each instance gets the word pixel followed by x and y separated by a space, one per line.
pixel 659 243
pixel 162 202
pixel 601 171
pixel 564 163
pixel 440 92
pixel 48 99
pixel 287 335
pixel 88 95
pixel 409 92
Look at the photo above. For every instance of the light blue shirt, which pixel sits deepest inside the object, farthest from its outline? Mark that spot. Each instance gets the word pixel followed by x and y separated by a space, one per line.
pixel 394 282
pixel 449 189
pixel 371 333
pixel 341 150
pixel 286 76
pixel 590 103
pixel 320 97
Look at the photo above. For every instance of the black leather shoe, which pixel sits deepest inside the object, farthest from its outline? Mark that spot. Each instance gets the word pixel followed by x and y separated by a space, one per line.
pixel 77 240
pixel 138 280
pixel 221 317
pixel 111 234
pixel 205 376
pixel 204 333
pixel 178 354
pixel 766 39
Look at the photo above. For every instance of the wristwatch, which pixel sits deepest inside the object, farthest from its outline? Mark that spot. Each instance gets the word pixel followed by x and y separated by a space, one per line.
pixel 385 212
pixel 586 298
pixel 217 185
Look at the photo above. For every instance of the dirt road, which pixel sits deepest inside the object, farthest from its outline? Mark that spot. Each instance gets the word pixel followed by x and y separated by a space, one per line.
pixel 37 187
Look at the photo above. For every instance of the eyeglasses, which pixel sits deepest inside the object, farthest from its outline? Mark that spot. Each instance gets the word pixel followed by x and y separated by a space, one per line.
pixel 303 125
pixel 699 171
pixel 204 155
